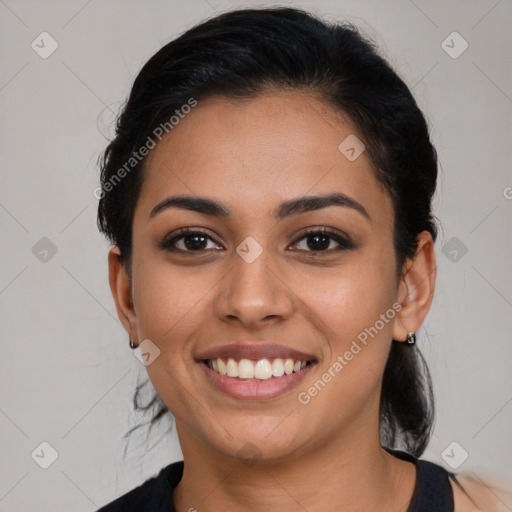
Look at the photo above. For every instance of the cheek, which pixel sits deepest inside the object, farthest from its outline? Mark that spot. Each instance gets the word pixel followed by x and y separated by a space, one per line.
pixel 353 311
pixel 168 301
pixel 350 296
pixel 352 308
pixel 170 308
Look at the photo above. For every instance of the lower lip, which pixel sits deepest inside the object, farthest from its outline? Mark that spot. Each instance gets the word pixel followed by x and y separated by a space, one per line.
pixel 255 389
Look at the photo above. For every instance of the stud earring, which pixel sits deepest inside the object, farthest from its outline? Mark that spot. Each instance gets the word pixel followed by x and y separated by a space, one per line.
pixel 411 338
pixel 132 345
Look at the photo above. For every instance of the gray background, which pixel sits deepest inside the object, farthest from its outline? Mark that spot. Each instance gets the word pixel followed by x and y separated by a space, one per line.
pixel 67 373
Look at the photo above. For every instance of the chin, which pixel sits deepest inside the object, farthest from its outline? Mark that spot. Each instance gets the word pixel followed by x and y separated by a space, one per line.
pixel 254 447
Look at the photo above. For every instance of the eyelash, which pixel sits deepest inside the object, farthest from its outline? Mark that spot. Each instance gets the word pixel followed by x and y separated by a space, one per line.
pixel 344 243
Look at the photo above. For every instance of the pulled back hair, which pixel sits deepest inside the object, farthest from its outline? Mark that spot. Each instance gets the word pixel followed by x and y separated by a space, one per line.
pixel 251 52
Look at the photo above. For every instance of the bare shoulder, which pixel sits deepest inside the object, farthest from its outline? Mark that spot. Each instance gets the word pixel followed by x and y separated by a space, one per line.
pixel 478 495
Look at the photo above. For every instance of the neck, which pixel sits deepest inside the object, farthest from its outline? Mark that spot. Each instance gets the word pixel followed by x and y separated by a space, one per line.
pixel 345 473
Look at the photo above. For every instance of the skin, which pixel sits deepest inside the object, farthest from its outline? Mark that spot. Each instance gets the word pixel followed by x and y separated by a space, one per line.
pixel 252 155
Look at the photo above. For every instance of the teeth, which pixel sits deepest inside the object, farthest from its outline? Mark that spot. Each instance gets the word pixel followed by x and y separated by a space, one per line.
pixel 222 366
pixel 262 369
pixel 288 366
pixel 232 368
pixel 278 368
pixel 245 369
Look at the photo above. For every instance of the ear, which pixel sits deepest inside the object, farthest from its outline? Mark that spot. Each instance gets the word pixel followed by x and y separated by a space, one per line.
pixel 121 288
pixel 416 288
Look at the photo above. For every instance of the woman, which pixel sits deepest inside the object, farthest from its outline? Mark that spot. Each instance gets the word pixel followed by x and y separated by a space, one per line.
pixel 268 194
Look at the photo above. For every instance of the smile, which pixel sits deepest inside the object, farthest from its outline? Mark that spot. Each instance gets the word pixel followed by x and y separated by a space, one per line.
pixel 264 385
pixel 262 369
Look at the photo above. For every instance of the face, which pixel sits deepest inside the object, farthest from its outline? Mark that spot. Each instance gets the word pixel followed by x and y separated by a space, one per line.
pixel 263 278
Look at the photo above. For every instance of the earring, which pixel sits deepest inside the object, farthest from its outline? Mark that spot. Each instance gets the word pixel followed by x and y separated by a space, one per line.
pixel 132 345
pixel 411 338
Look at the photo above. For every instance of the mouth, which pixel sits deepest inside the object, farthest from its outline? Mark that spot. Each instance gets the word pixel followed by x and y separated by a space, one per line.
pixel 250 370
pixel 255 371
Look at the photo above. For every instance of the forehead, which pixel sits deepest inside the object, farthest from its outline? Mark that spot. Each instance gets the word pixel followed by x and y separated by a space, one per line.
pixel 255 153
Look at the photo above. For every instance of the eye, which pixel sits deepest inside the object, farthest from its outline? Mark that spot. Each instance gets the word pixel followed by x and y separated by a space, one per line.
pixel 319 240
pixel 192 241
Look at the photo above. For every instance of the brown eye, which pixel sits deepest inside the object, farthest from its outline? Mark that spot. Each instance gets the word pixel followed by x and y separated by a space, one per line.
pixel 320 239
pixel 193 241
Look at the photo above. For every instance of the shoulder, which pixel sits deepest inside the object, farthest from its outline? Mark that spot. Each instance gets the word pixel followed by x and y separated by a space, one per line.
pixel 134 499
pixel 152 495
pixel 475 495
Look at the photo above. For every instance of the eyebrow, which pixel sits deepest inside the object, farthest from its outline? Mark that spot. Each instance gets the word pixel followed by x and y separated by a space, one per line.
pixel 297 206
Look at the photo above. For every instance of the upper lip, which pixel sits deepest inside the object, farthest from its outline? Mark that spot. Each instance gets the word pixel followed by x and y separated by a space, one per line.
pixel 254 351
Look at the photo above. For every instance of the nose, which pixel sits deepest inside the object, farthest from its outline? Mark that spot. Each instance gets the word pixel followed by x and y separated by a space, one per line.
pixel 255 294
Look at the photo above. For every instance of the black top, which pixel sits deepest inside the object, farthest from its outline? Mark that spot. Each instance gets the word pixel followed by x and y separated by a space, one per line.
pixel 432 493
